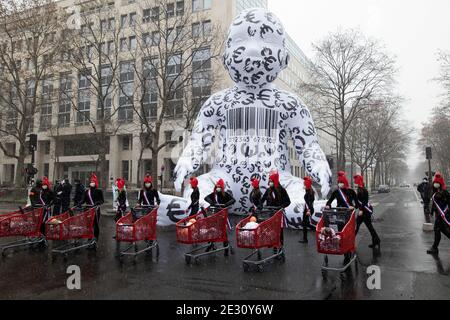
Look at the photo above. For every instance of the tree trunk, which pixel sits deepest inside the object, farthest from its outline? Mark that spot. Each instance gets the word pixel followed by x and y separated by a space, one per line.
pixel 341 157
pixel 19 180
pixel 155 153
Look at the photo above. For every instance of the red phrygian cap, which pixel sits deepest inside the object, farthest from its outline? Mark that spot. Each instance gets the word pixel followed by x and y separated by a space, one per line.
pixel 307 181
pixel 148 179
pixel 343 179
pixel 94 179
pixel 359 180
pixel 439 179
pixel 255 183
pixel 46 182
pixel 194 182
pixel 220 184
pixel 275 178
pixel 120 183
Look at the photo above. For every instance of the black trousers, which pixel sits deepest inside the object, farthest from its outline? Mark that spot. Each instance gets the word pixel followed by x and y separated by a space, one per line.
pixel 97 223
pixel 57 208
pixel 306 224
pixel 367 220
pixel 194 211
pixel 65 205
pixel 46 215
pixel 440 226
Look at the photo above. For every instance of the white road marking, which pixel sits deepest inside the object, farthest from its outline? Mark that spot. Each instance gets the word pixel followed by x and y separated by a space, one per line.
pixel 390 204
pixel 374 204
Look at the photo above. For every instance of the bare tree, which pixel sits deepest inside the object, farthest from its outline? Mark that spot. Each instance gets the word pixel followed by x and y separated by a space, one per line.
pixel 350 72
pixel 31 39
pixel 172 60
pixel 93 52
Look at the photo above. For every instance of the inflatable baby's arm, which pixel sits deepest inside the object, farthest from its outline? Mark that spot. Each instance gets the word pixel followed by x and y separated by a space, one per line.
pixel 310 154
pixel 199 145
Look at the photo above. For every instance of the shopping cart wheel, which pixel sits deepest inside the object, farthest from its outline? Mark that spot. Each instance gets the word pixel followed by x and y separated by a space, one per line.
pixel 325 260
pixel 187 259
pixel 157 250
pixel 246 267
pixel 260 267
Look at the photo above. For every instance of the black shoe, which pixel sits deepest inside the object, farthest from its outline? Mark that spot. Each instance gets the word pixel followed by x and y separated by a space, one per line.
pixel 433 250
pixel 275 251
pixel 303 241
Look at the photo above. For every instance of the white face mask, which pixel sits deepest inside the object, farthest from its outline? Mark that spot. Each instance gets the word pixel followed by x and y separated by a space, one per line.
pixel 271 184
pixel 44 187
pixel 219 189
pixel 437 185
pixel 92 185
pixel 147 185
pixel 341 185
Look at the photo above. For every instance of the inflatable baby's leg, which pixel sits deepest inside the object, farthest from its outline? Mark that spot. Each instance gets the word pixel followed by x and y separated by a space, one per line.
pixel 296 192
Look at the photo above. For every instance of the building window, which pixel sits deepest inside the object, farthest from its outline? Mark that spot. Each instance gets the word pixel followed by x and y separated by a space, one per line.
pixel 46 147
pixel 132 45
pixel 133 19
pixel 199 5
pixel 123 20
pixel 156 38
pixel 155 14
pixel 104 104
pixel 84 107
pixel 170 10
pixel 123 44
pixel 180 8
pixel 64 113
pixel 46 117
pixel 46 169
pixel 146 14
pixel 111 24
pixel 125 111
pixel 127 143
pixel 126 170
pixel 201 75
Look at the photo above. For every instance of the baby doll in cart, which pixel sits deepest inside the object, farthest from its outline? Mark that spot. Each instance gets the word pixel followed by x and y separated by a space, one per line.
pixel 333 222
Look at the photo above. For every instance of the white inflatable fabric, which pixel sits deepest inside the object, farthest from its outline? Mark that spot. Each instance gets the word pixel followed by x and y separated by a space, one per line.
pixel 255 121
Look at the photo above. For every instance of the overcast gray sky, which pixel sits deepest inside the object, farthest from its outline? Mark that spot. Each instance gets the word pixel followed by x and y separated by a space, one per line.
pixel 412 30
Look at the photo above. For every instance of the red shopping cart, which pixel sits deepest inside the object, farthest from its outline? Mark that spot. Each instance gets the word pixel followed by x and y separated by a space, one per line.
pixel 24 222
pixel 265 235
pixel 335 235
pixel 210 226
pixel 77 224
pixel 137 226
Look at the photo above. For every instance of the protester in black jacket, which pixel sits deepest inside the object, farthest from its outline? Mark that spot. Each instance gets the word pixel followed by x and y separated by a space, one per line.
pixel 194 207
pixel 276 196
pixel 425 193
pixel 57 203
pixel 344 195
pixel 148 195
pixel 440 208
pixel 121 199
pixel 365 211
pixel 308 210
pixel 65 196
pixel 46 197
pixel 255 196
pixel 79 194
pixel 93 196
pixel 346 198
pixel 219 197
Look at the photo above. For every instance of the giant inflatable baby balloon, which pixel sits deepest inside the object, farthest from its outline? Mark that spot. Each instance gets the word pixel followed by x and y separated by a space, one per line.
pixel 254 120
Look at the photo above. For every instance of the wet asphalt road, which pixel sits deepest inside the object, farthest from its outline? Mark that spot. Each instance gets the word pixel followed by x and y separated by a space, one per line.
pixel 407 272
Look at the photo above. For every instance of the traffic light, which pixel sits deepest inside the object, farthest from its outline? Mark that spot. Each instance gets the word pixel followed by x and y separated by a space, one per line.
pixel 33 142
pixel 428 153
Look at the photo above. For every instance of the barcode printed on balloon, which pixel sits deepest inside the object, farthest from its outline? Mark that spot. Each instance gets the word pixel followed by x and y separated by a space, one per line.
pixel 252 121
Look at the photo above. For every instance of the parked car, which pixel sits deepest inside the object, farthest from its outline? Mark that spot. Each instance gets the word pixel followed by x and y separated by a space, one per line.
pixel 383 188
pixel 405 185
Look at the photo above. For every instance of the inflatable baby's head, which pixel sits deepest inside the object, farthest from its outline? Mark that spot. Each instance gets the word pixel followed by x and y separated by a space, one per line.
pixel 255 50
